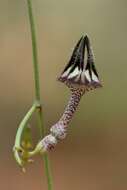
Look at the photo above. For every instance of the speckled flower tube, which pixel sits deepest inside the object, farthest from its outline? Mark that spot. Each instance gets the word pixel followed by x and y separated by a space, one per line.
pixel 79 77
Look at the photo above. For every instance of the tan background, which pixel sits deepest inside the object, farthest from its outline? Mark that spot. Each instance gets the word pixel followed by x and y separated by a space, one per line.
pixel 94 155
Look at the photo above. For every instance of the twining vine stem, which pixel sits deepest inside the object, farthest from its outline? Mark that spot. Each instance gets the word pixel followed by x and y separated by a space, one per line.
pixel 37 90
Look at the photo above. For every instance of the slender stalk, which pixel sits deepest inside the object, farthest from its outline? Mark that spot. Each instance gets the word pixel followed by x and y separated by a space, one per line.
pixel 37 89
pixel 34 47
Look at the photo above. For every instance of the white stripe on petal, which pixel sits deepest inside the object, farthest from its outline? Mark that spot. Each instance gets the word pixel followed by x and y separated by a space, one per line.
pixel 87 75
pixel 78 76
pixel 66 72
pixel 94 77
pixel 74 73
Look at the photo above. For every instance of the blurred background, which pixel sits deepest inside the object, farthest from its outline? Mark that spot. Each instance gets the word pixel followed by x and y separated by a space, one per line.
pixel 94 154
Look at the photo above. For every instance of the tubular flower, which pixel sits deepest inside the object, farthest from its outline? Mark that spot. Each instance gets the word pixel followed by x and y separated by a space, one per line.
pixel 79 76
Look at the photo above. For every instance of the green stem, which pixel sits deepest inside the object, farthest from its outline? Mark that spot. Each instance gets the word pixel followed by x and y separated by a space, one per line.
pixel 19 133
pixel 23 124
pixel 34 47
pixel 37 89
